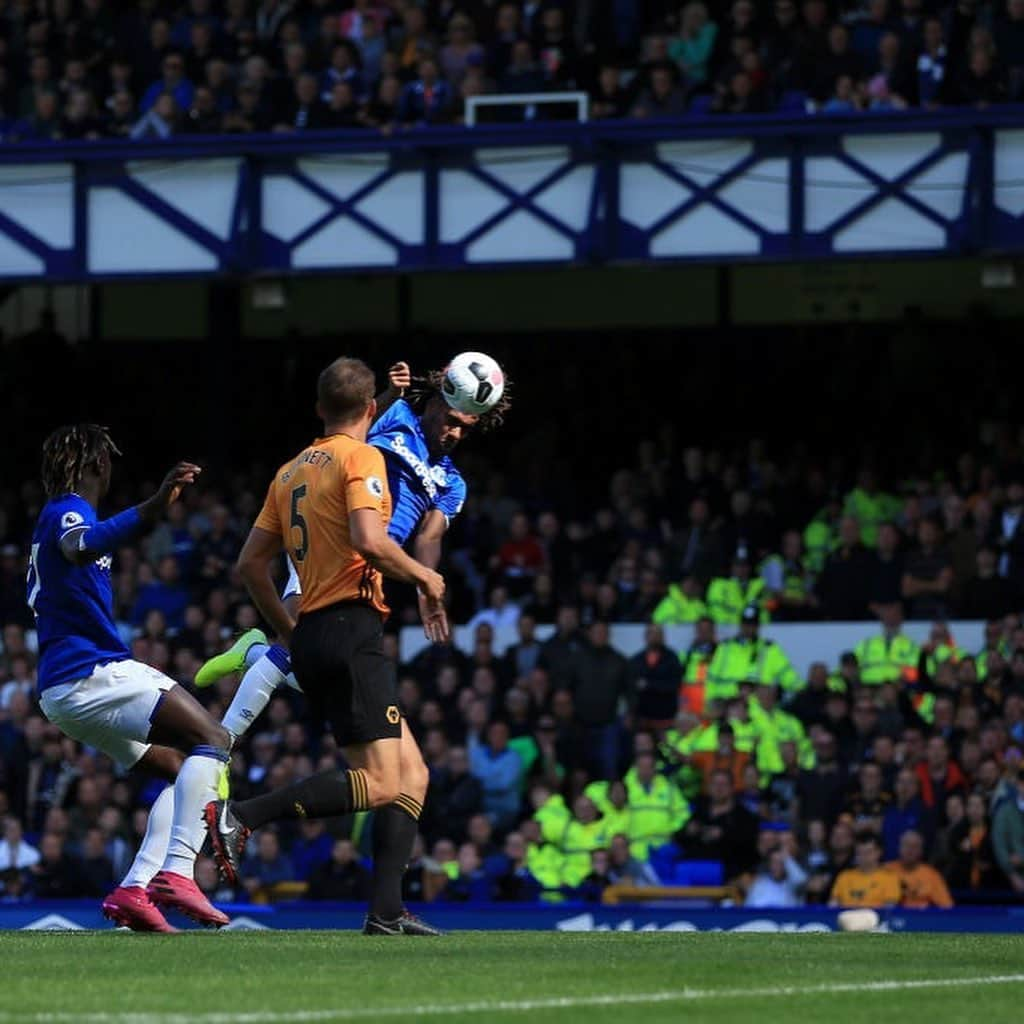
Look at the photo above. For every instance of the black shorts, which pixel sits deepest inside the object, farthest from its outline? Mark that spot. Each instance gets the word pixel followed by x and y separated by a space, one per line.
pixel 338 659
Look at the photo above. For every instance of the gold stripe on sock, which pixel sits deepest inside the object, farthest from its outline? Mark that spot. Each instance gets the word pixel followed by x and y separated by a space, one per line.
pixel 410 805
pixel 360 789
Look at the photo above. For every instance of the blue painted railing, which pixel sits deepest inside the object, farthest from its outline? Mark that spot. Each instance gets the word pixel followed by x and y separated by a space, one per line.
pixel 702 189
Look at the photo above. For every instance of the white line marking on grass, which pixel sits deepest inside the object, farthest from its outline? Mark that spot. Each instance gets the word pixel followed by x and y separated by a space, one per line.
pixel 683 995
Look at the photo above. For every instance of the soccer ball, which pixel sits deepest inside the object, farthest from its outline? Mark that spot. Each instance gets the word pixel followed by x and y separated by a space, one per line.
pixel 473 383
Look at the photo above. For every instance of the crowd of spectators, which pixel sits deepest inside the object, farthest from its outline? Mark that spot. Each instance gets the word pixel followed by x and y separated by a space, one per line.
pixel 559 766
pixel 85 69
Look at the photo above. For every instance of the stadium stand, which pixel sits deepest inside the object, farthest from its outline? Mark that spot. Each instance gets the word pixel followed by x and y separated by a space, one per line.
pixel 103 69
pixel 563 768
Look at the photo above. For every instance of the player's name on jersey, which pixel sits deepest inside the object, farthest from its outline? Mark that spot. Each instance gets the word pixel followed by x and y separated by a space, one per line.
pixel 310 457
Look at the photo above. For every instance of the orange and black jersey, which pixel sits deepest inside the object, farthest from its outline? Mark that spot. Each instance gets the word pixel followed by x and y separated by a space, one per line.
pixel 308 505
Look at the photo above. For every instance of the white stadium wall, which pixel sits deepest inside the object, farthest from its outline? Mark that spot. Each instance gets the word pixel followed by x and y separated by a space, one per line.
pixel 805 643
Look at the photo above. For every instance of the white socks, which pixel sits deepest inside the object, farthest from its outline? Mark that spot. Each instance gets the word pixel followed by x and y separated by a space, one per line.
pixel 195 787
pixel 153 850
pixel 269 671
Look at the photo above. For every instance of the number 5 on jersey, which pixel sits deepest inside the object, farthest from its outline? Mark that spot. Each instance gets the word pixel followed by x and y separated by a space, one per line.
pixel 299 523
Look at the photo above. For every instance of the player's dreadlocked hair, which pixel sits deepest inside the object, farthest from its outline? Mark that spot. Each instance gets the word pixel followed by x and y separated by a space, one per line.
pixel 425 388
pixel 70 452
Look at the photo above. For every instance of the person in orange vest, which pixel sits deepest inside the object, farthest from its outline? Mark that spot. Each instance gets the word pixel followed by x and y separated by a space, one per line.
pixel 725 757
pixel 696 659
pixel 922 886
pixel 939 775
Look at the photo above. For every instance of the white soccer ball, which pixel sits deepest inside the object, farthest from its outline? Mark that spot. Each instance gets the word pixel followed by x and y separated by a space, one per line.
pixel 473 383
pixel 859 920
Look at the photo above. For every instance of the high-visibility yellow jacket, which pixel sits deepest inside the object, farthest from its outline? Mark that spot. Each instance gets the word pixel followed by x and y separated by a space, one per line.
pixel 578 841
pixel 885 659
pixel 728 596
pixel 657 811
pixel 616 819
pixel 545 862
pixel 737 661
pixel 870 510
pixel 553 816
pixel 676 609
pixel 774 728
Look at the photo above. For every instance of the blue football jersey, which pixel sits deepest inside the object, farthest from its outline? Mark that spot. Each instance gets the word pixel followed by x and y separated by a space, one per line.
pixel 418 483
pixel 73 604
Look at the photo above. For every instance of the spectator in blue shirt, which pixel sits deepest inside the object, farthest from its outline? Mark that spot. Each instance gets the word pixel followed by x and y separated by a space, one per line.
pixel 165 594
pixel 44 124
pixel 269 866
pixel 173 81
pixel 471 883
pixel 344 67
pixel 160 122
pixel 512 881
pixel 499 769
pixel 907 813
pixel 199 13
pixel 868 32
pixel 312 849
pixel 426 100
pixel 931 65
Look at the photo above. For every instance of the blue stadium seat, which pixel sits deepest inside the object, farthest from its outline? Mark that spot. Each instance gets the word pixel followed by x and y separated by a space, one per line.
pixel 793 101
pixel 698 872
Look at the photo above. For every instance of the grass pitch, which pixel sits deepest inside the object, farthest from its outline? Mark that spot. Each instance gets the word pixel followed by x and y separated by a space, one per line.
pixel 313 977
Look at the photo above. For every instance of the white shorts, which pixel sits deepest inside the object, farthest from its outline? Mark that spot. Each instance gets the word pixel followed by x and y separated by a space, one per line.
pixel 292 588
pixel 110 710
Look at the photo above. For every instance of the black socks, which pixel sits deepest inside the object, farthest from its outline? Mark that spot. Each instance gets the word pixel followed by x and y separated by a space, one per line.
pixel 394 832
pixel 327 794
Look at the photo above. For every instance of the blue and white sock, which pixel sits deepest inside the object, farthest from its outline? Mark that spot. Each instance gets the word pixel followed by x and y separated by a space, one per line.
pixel 195 787
pixel 269 671
pixel 153 850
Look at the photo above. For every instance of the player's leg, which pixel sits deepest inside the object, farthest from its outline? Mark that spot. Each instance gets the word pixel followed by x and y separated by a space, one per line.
pixel 164 763
pixel 267 666
pixel 338 658
pixel 129 904
pixel 271 669
pixel 394 833
pixel 181 721
pixel 234 659
pixel 111 710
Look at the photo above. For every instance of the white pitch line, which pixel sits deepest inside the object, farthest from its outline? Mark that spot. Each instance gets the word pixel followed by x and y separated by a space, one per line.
pixel 683 995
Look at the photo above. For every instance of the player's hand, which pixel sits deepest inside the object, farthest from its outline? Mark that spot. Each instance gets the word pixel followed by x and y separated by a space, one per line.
pixel 399 377
pixel 432 586
pixel 183 474
pixel 434 619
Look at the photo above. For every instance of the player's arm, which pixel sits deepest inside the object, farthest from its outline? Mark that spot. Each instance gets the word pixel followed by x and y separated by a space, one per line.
pixel 370 539
pixel 426 549
pixel 260 553
pixel 82 543
pixel 399 380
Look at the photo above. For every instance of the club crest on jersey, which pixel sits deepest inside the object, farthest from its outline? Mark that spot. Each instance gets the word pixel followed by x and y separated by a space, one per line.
pixel 104 563
pixel 375 486
pixel 70 520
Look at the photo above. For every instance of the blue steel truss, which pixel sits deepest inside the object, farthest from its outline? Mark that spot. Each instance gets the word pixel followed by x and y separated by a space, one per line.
pixel 703 189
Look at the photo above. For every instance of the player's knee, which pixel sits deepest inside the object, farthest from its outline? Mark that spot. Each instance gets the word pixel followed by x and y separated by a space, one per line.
pixel 215 735
pixel 415 777
pixel 384 790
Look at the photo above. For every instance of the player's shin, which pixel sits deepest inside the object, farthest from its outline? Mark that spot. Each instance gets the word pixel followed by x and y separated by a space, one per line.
pixel 327 794
pixel 153 850
pixel 258 684
pixel 195 787
pixel 394 833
